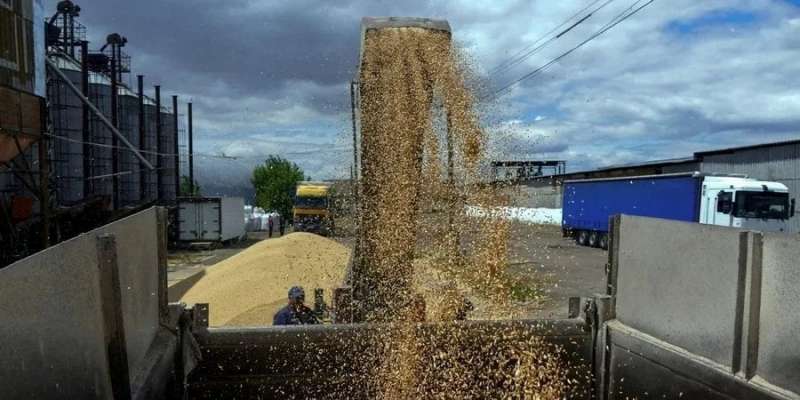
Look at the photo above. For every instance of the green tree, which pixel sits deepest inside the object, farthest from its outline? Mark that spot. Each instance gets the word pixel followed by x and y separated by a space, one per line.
pixel 275 182
pixel 185 187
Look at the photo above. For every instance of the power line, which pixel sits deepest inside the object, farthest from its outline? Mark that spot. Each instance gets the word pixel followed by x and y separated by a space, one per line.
pixel 527 52
pixel 202 155
pixel 614 22
pixel 510 59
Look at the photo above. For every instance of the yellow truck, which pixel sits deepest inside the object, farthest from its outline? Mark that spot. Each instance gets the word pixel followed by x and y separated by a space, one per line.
pixel 311 211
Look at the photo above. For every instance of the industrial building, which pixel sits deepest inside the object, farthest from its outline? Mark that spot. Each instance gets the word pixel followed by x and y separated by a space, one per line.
pixel 779 162
pixel 80 146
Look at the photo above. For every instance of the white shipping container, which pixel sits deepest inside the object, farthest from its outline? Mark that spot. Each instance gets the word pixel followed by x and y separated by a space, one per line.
pixel 210 219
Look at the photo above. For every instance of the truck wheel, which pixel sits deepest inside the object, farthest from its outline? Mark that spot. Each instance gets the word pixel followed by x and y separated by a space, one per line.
pixel 582 238
pixel 604 241
pixel 594 239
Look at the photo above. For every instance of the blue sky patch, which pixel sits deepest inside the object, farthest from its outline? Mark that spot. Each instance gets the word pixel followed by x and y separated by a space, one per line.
pixel 731 18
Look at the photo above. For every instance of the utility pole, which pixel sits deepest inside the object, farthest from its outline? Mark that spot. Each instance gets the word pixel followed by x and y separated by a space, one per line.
pixel 176 147
pixel 159 150
pixel 354 174
pixel 191 151
pixel 85 135
pixel 115 192
pixel 44 180
pixel 142 139
pixel 452 193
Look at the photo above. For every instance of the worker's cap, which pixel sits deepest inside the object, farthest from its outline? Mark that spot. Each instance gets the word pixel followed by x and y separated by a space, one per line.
pixel 297 293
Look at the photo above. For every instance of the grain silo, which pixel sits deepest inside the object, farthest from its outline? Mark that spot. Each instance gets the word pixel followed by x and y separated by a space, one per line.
pixel 128 164
pixel 66 113
pixel 101 167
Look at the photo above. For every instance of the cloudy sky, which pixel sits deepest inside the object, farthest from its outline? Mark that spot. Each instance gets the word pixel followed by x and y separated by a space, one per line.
pixel 272 77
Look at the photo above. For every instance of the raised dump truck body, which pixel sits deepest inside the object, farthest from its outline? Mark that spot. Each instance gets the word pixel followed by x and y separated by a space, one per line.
pixel 733 201
pixel 311 211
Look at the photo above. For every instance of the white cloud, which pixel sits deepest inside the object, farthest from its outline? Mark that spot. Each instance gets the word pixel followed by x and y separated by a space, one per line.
pixel 641 91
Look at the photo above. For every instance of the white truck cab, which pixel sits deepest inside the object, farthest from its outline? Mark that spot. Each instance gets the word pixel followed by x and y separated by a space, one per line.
pixel 745 203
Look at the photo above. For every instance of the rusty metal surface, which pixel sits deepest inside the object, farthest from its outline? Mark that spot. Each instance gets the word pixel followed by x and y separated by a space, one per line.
pixel 369 23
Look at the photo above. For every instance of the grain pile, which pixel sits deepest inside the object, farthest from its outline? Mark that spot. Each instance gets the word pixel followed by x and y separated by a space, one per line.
pixel 248 288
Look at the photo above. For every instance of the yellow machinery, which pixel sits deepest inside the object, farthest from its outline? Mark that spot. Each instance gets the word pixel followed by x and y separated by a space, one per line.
pixel 311 211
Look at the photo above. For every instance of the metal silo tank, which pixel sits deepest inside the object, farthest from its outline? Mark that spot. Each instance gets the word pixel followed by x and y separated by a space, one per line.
pixel 168 153
pixel 129 180
pixel 100 156
pixel 66 112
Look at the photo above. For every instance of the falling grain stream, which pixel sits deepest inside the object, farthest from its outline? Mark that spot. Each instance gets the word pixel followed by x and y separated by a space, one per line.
pixel 414 104
pixel 418 257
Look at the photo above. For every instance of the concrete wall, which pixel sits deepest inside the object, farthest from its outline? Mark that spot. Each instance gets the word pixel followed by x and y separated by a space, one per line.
pixel 702 310
pixel 59 315
pixel 536 196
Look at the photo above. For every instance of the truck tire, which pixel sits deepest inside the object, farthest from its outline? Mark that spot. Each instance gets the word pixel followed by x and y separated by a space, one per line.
pixel 582 238
pixel 594 239
pixel 604 241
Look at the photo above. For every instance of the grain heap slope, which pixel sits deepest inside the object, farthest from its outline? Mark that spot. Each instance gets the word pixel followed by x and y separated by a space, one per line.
pixel 248 288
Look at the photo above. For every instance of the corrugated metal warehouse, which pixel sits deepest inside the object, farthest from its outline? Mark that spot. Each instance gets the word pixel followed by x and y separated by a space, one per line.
pixel 779 162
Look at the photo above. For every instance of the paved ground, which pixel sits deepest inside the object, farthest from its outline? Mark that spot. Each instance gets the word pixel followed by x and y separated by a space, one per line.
pixel 537 252
pixel 183 263
pixel 563 268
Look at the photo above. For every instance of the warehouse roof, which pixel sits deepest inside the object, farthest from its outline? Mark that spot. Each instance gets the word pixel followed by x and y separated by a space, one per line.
pixel 696 157
pixel 653 163
pixel 750 147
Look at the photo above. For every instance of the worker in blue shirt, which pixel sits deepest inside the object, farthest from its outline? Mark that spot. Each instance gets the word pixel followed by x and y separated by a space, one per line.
pixel 295 313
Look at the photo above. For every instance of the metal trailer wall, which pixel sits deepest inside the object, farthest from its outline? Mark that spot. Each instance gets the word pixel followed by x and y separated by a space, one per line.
pixel 779 163
pixel 66 114
pixel 588 204
pixel 129 182
pixel 232 223
pixel 702 312
pixel 84 318
pixel 100 156
pixel 336 361
pixel 168 150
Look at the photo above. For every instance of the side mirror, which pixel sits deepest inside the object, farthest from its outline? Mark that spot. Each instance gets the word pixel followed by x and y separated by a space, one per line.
pixel 791 208
pixel 725 202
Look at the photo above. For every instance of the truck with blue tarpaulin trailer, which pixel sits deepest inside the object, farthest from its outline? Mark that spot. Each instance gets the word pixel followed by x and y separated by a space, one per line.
pixel 726 200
